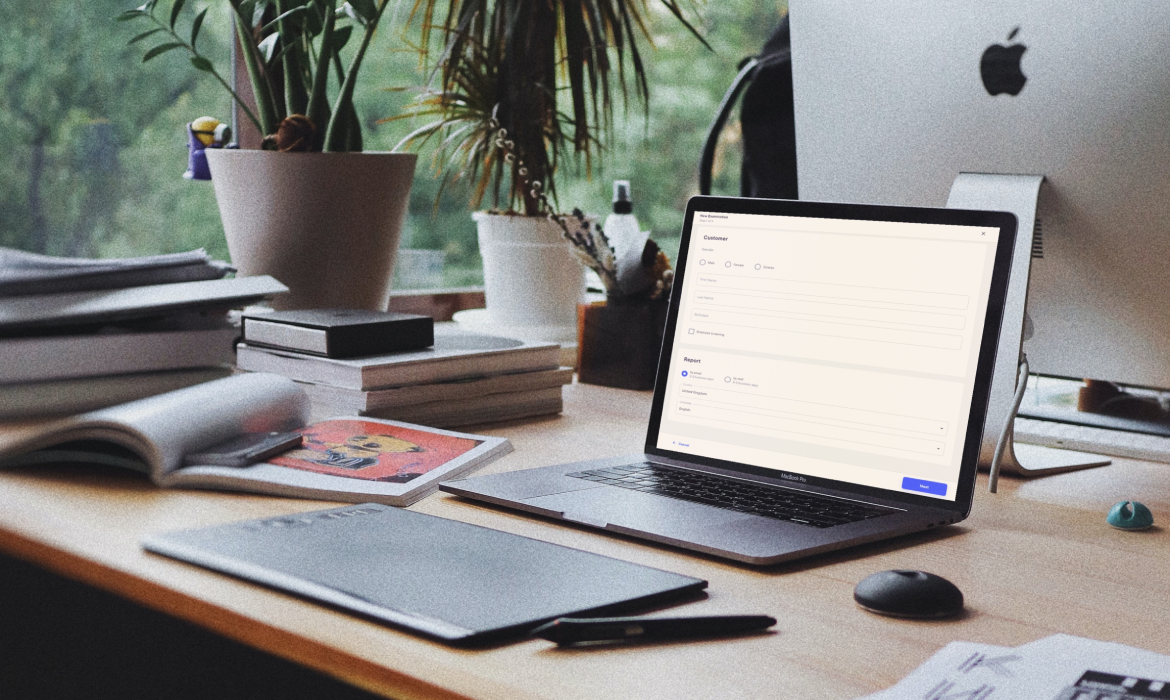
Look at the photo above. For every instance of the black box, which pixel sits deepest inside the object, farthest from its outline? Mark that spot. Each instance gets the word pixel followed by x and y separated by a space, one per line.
pixel 340 332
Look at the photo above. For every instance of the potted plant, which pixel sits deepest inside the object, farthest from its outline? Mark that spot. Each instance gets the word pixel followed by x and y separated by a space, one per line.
pixel 519 86
pixel 309 208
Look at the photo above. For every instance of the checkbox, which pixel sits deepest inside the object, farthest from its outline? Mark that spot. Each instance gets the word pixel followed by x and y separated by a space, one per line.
pixel 690 331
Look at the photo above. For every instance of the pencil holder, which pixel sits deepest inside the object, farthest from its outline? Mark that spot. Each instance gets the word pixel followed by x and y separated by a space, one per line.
pixel 618 342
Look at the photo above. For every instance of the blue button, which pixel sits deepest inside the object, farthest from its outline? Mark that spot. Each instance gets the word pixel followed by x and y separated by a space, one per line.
pixel 932 487
pixel 684 373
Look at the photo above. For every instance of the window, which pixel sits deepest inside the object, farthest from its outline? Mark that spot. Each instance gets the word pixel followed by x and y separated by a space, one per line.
pixel 94 146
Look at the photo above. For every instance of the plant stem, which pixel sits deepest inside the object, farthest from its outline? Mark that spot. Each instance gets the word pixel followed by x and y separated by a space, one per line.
pixel 212 70
pixel 239 100
pixel 261 87
pixel 295 95
pixel 335 135
pixel 318 108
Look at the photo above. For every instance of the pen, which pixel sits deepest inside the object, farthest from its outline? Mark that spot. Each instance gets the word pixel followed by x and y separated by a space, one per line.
pixel 569 630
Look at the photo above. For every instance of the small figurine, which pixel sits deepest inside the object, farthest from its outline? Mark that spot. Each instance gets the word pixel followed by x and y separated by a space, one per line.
pixel 204 133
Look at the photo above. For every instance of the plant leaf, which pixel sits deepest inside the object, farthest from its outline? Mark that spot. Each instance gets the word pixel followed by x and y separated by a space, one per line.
pixel 245 9
pixel 365 9
pixel 197 25
pixel 202 64
pixel 143 35
pixel 313 21
pixel 273 24
pixel 258 13
pixel 131 14
pixel 175 9
pixel 161 49
pixel 268 46
pixel 237 12
pixel 341 37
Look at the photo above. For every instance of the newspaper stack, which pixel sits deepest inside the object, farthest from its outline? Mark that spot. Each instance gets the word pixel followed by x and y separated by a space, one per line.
pixel 1060 667
pixel 78 334
pixel 464 379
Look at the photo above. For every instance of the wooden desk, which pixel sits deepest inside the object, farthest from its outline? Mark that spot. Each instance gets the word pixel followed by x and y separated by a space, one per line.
pixel 1033 560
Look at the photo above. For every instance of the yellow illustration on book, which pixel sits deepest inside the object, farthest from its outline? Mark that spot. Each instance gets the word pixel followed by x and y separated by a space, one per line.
pixel 363 449
pixel 356 452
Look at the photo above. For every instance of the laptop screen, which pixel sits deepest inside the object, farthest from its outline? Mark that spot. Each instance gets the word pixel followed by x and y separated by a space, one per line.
pixel 841 349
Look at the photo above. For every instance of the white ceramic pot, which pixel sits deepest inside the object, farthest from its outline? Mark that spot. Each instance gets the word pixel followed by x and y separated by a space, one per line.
pixel 327 225
pixel 530 277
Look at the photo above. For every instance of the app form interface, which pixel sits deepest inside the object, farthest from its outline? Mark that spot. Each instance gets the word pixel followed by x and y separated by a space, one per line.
pixel 830 348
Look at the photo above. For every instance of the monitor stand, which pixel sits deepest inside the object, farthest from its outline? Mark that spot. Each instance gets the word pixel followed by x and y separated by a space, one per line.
pixel 1018 194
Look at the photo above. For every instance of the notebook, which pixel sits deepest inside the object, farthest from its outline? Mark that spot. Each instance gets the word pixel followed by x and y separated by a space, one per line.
pixel 451 581
pixel 823 382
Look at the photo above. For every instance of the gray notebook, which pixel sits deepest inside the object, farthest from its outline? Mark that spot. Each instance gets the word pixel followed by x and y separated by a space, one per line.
pixel 448 580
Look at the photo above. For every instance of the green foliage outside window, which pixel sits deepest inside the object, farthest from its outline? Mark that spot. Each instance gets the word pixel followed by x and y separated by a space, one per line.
pixel 94 146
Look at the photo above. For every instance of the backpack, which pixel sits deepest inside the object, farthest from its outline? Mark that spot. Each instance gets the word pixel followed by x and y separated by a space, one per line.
pixel 766 116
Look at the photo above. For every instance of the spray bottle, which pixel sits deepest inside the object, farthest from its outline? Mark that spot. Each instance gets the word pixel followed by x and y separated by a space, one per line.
pixel 628 241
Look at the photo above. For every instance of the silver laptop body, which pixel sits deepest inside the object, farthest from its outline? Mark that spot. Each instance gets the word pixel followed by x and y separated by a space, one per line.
pixel 830 355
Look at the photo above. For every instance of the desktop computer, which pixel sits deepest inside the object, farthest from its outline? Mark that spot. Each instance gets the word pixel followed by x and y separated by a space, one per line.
pixel 895 100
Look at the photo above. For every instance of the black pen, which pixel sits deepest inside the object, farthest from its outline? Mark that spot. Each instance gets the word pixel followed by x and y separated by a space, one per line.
pixel 574 630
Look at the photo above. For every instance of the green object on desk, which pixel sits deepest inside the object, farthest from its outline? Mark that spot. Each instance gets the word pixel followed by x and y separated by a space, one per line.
pixel 1130 515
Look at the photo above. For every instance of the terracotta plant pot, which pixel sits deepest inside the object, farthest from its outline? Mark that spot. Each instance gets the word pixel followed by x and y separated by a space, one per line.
pixel 327 225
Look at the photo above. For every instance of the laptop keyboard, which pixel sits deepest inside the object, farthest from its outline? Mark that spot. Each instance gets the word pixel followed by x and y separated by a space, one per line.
pixel 732 494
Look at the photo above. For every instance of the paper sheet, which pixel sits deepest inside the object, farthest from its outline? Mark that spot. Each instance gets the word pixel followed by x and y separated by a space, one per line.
pixel 1060 667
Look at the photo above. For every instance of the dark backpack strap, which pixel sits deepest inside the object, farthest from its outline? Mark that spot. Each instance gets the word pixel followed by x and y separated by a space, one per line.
pixel 769 130
pixel 707 161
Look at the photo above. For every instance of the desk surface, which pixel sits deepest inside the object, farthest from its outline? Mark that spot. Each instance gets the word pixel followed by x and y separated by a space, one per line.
pixel 1033 560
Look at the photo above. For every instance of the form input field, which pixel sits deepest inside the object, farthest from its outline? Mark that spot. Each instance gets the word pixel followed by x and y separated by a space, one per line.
pixel 845 310
pixel 828 414
pixel 856 330
pixel 832 435
pixel 820 291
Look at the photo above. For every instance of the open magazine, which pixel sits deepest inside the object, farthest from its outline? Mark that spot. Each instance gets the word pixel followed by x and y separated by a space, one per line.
pixel 344 459
pixel 1059 667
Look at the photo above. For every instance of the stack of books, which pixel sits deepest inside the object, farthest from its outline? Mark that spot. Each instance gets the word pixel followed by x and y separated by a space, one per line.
pixel 464 379
pixel 79 334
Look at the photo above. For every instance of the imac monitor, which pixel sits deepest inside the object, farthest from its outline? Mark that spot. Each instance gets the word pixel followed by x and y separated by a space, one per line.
pixel 893 100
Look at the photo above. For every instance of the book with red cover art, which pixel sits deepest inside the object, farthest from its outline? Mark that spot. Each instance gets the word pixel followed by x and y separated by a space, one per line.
pixel 167 436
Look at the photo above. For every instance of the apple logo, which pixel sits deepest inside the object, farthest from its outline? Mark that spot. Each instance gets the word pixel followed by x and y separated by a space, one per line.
pixel 1000 67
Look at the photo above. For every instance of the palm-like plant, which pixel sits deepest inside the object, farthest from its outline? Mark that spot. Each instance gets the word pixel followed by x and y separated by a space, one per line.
pixel 290 48
pixel 495 101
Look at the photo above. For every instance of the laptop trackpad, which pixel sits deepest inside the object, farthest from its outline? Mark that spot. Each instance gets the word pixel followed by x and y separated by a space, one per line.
pixel 637 511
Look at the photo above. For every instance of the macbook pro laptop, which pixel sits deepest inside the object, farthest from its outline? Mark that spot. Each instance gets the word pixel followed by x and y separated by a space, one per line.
pixel 823 381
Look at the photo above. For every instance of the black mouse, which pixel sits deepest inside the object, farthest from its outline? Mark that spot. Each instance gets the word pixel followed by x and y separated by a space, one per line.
pixel 907 593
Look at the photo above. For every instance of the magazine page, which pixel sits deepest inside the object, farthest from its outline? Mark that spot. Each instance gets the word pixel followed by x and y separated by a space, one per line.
pixel 359 460
pixel 19 437
pixel 161 429
pixel 1059 667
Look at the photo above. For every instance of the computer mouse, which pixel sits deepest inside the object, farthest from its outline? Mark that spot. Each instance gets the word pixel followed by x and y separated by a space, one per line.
pixel 908 593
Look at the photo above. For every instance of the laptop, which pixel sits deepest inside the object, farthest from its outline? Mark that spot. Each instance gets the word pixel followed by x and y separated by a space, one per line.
pixel 822 383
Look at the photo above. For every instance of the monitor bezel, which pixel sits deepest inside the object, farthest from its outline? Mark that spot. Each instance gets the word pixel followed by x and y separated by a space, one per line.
pixel 1004 221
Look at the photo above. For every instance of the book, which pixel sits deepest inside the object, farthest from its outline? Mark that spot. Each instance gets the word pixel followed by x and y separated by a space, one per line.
pixel 23 273
pixel 123 351
pixel 61 396
pixel 339 332
pixel 491 408
pixel 25 314
pixel 346 400
pixel 350 459
pixel 456 355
